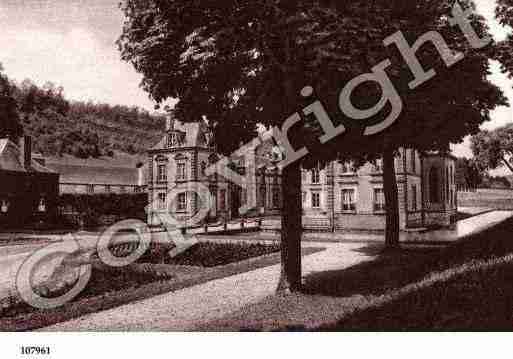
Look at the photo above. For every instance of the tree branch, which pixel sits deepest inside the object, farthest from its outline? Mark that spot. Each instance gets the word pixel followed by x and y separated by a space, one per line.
pixel 506 162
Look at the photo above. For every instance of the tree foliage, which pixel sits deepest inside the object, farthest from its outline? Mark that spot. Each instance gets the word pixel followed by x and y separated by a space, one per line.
pixel 10 126
pixel 245 62
pixel 468 174
pixel 493 149
pixel 504 50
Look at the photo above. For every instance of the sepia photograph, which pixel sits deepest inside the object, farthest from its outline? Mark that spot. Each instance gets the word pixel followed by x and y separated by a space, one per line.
pixel 178 173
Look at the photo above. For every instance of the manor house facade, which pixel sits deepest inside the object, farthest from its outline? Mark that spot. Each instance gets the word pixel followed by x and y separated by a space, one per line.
pixel 337 197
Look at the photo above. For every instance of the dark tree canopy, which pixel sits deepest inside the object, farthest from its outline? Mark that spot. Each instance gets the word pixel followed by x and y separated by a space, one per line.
pixel 244 62
pixel 10 126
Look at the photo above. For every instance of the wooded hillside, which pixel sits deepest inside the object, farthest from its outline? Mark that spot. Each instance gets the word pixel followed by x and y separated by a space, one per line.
pixel 59 126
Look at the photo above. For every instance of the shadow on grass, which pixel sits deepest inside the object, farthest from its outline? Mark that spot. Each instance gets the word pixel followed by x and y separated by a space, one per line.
pixel 393 270
pixel 465 286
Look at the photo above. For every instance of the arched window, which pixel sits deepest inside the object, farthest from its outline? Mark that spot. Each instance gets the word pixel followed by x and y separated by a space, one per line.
pixel 434 186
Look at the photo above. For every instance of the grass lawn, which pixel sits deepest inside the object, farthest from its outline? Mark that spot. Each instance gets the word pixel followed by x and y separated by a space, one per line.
pixel 110 288
pixel 490 198
pixel 466 286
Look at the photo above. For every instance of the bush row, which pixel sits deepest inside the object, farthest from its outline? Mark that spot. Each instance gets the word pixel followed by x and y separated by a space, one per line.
pixel 99 209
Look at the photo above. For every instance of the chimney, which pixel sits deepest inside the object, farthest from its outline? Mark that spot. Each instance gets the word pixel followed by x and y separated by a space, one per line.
pixel 169 123
pixel 140 175
pixel 26 152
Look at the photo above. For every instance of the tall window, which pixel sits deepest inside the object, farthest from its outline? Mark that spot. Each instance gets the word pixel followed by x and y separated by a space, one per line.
pixel 434 186
pixel 162 201
pixel 243 197
pixel 90 188
pixel 378 165
pixel 447 193
pixel 162 173
pixel 222 199
pixel 316 200
pixel 261 198
pixel 316 177
pixel 379 199
pixel 182 201
pixel 413 162
pixel 203 168
pixel 348 199
pixel 180 171
pixel 303 197
pixel 414 197
pixel 276 198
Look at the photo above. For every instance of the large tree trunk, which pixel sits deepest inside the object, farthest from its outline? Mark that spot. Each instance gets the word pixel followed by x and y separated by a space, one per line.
pixel 391 200
pixel 291 229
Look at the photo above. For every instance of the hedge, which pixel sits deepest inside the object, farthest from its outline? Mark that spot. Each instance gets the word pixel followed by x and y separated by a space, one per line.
pixel 91 208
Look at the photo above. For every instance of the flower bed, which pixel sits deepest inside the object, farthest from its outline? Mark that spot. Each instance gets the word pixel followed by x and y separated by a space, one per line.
pixel 210 254
pixel 111 287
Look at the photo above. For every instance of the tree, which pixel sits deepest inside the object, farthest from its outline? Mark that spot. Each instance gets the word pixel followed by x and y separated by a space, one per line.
pixel 468 174
pixel 10 126
pixel 238 63
pixel 245 62
pixel 437 112
pixel 493 149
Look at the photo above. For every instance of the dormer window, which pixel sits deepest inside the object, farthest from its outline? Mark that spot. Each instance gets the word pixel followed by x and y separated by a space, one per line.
pixel 175 139
pixel 348 168
pixel 4 206
pixel 42 205
pixel 377 165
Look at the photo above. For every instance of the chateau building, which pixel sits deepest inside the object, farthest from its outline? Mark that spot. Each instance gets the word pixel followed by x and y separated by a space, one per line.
pixel 337 197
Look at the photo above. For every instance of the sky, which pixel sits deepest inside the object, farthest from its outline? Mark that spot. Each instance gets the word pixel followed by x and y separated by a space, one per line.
pixel 72 44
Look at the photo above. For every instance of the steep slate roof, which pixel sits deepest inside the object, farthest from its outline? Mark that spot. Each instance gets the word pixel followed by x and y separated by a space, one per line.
pixel 10 159
pixel 194 135
pixel 96 175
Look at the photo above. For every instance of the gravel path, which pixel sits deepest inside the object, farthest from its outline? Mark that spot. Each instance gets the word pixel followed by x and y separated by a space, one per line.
pixel 187 308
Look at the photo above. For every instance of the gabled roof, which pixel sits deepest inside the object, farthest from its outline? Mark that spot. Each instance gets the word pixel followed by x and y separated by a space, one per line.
pixel 97 175
pixel 10 159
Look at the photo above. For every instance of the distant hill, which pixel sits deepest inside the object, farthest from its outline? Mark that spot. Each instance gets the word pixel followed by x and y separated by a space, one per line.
pixel 119 159
pixel 83 130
